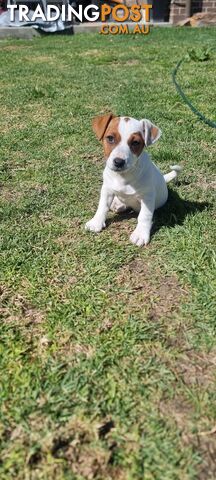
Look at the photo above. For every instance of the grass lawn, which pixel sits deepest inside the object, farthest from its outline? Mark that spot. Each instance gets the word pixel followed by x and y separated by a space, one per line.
pixel 108 351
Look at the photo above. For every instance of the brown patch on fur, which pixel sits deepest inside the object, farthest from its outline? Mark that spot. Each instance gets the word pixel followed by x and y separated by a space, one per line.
pixel 154 132
pixel 113 130
pixel 100 124
pixel 136 149
pixel 126 119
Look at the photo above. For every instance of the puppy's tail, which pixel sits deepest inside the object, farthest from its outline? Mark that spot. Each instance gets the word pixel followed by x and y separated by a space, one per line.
pixel 176 169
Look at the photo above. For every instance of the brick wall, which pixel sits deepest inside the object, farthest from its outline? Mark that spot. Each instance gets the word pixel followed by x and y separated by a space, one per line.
pixel 178 8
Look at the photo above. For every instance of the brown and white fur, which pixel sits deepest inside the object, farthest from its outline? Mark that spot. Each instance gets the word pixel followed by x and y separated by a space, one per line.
pixel 130 178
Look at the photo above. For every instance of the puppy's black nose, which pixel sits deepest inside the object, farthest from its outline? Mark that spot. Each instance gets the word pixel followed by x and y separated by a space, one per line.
pixel 118 162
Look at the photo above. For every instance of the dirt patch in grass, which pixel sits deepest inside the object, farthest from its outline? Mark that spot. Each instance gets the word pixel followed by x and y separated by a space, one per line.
pixel 24 310
pixel 75 447
pixel 68 152
pixel 68 238
pixel 11 119
pixel 197 372
pixel 197 368
pixel 205 184
pixel 64 283
pixel 18 313
pixel 206 445
pixel 179 410
pixel 10 195
pixel 40 115
pixel 11 48
pixel 121 225
pixel 132 62
pixel 94 52
pixel 202 442
pixel 41 59
pixel 145 285
pixel 200 181
pixel 67 348
pixel 95 159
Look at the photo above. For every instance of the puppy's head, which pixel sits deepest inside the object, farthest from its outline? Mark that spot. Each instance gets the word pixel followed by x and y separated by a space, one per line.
pixel 124 139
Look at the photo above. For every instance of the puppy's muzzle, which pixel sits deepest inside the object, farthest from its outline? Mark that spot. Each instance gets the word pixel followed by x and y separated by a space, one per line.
pixel 119 162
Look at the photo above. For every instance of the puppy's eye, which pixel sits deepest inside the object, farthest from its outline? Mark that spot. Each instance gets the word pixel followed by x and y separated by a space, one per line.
pixel 135 143
pixel 110 139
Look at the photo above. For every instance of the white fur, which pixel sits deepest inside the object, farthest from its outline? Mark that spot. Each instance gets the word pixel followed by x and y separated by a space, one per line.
pixel 140 185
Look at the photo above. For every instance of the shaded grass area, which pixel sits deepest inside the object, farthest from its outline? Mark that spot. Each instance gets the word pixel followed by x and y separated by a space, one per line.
pixel 107 351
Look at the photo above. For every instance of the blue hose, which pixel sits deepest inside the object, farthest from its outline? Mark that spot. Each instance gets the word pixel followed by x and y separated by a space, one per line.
pixel 202 117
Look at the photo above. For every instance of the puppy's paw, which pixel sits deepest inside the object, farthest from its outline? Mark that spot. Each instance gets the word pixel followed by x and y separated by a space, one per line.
pixel 94 225
pixel 140 237
pixel 117 206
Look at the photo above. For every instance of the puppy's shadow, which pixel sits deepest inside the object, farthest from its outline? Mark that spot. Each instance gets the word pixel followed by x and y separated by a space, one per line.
pixel 174 212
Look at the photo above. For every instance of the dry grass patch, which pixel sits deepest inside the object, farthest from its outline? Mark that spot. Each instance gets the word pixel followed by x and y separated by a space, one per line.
pixel 13 48
pixel 18 313
pixel 132 62
pixel 147 287
pixel 9 194
pixel 95 52
pixel 205 184
pixel 11 119
pixel 81 447
pixel 180 411
pixel 39 115
pixel 197 368
pixel 197 372
pixel 70 235
pixel 206 445
pixel 68 152
pixel 92 158
pixel 203 442
pixel 41 59
pixel 69 349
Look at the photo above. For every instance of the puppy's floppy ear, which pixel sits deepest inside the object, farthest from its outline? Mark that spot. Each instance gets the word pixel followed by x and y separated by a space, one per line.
pixel 150 131
pixel 100 124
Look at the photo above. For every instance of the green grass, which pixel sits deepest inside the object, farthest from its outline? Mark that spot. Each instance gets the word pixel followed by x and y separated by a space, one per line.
pixel 107 351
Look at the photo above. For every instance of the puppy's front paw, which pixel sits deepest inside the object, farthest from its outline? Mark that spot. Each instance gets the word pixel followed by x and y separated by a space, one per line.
pixel 140 237
pixel 95 225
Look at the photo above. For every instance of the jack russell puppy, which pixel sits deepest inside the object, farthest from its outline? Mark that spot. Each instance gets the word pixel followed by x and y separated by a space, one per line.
pixel 130 178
